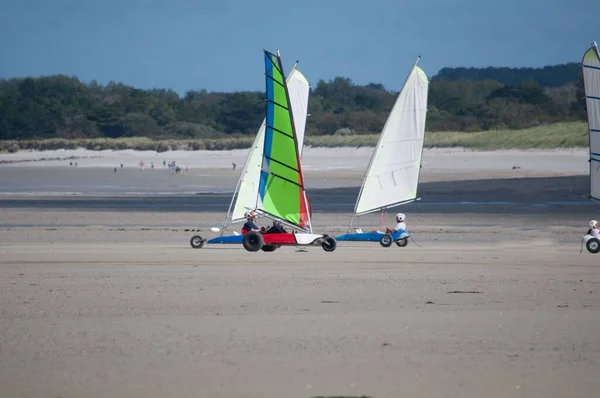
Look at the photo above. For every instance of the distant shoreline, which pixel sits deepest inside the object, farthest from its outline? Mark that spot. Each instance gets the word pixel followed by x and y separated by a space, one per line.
pixel 552 136
pixel 314 158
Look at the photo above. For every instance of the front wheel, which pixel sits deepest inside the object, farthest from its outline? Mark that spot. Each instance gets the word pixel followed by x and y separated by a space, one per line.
pixel 253 241
pixel 402 242
pixel 197 242
pixel 329 244
pixel 593 245
pixel 386 240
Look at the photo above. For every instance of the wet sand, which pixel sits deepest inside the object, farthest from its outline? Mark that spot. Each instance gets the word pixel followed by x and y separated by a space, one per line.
pixel 103 296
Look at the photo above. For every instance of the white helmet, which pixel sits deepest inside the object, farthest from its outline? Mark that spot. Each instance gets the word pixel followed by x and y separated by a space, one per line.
pixel 593 223
pixel 249 214
pixel 400 216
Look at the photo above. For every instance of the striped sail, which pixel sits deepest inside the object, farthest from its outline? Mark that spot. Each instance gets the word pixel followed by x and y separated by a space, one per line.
pixel 281 187
pixel 247 192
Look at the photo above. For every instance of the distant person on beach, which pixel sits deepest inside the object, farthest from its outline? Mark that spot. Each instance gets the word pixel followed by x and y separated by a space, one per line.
pixel 115 170
pixel 234 165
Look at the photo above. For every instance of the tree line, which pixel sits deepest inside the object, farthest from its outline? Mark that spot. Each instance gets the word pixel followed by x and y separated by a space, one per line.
pixel 460 99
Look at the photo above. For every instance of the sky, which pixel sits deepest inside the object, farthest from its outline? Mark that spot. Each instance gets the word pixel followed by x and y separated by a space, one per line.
pixel 217 44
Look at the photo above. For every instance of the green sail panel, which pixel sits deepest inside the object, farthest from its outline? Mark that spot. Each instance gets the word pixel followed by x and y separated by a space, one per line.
pixel 281 186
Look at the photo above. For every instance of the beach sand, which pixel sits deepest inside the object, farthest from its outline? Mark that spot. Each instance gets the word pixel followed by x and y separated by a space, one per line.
pixel 102 294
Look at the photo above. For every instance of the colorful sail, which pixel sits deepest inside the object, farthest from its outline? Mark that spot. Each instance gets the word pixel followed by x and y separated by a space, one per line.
pixel 281 186
pixel 393 173
pixel 591 81
pixel 247 191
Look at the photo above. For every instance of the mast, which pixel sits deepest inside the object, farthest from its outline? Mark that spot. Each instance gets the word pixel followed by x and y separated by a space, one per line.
pixel 422 147
pixel 595 47
pixel 233 196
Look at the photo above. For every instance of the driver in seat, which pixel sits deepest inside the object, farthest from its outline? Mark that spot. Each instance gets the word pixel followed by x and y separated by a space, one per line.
pixel 276 228
pixel 250 225
pixel 594 231
pixel 400 224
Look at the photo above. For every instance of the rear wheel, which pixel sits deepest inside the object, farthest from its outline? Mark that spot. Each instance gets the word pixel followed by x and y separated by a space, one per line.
pixel 593 245
pixel 402 242
pixel 253 241
pixel 268 248
pixel 197 242
pixel 386 240
pixel 329 244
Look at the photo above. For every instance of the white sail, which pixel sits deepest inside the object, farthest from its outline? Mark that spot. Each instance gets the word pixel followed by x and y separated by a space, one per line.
pixel 299 88
pixel 591 81
pixel 393 173
pixel 247 192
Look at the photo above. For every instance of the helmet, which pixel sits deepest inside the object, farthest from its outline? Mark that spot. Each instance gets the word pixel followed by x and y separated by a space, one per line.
pixel 400 216
pixel 593 223
pixel 249 214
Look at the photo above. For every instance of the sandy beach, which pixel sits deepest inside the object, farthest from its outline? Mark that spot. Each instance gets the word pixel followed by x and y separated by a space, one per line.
pixel 102 294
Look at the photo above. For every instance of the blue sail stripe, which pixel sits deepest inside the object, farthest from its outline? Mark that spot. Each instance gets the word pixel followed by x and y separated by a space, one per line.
pixel 591 67
pixel 270 112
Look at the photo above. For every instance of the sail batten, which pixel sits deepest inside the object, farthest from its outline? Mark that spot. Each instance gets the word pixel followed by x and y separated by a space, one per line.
pixel 393 172
pixel 591 81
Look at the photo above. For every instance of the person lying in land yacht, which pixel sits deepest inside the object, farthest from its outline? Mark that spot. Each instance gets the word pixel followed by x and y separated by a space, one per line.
pixel 400 225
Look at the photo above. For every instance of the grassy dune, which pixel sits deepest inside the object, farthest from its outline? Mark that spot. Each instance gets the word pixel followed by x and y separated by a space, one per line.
pixel 560 135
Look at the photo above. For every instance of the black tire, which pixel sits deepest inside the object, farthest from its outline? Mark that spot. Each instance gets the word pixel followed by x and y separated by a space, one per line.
pixel 329 244
pixel 269 248
pixel 386 240
pixel 402 242
pixel 253 241
pixel 197 242
pixel 593 245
